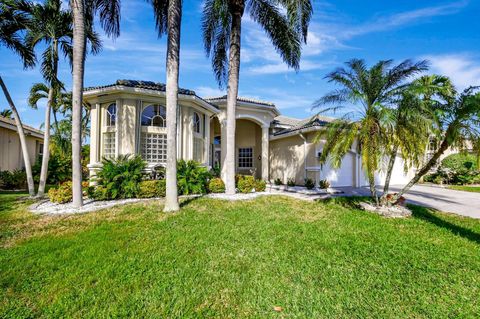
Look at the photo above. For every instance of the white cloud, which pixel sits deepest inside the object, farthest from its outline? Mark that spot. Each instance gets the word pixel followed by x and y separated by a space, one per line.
pixel 207 91
pixel 463 69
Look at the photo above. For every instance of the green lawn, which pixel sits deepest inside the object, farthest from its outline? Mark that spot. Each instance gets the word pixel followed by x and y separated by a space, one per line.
pixel 237 260
pixel 466 188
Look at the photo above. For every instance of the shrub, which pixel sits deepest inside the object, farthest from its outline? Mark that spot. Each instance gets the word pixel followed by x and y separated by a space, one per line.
pixel 291 182
pixel 461 161
pixel 59 169
pixel 192 178
pixel 216 185
pixel 324 184
pixel 152 188
pixel 309 183
pixel 61 194
pixel 260 185
pixel 16 179
pixel 121 176
pixel 216 171
pixel 278 181
pixel 246 184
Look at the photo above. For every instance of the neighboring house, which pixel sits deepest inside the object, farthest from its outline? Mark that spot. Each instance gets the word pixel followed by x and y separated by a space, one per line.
pixel 129 117
pixel 11 156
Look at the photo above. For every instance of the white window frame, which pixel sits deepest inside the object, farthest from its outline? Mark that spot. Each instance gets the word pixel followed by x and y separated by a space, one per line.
pixel 151 130
pixel 109 129
pixel 197 123
pixel 253 157
pixel 164 119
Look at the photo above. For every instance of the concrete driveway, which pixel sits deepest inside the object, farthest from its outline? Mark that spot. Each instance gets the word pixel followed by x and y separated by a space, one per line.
pixel 443 199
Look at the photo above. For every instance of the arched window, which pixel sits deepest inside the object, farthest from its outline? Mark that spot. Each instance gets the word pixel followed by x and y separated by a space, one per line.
pixel 196 123
pixel 154 115
pixel 111 114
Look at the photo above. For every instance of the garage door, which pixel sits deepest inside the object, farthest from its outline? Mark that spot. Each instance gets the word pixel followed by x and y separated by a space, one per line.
pixel 343 176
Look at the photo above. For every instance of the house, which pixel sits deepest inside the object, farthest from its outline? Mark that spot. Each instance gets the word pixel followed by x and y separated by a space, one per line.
pixel 129 117
pixel 11 156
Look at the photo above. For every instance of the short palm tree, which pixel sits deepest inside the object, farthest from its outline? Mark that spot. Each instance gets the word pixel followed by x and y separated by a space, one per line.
pixel 12 24
pixel 458 123
pixel 168 16
pixel 372 93
pixel 286 24
pixel 6 113
pixel 83 12
pixel 52 26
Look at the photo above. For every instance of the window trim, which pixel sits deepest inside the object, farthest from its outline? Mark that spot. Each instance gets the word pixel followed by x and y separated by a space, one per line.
pixel 108 116
pixel 238 158
pixel 154 127
pixel 197 123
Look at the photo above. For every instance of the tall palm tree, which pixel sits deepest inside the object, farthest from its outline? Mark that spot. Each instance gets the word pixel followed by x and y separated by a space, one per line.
pixel 83 15
pixel 12 24
pixel 458 122
pixel 168 17
pixel 221 24
pixel 371 92
pixel 51 25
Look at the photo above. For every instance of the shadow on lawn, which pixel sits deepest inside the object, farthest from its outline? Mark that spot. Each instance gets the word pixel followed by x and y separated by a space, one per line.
pixel 425 214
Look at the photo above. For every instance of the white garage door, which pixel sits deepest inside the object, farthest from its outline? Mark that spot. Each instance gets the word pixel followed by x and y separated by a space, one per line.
pixel 343 176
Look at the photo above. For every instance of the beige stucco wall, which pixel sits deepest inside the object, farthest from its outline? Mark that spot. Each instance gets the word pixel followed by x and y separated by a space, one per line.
pixel 249 134
pixel 11 156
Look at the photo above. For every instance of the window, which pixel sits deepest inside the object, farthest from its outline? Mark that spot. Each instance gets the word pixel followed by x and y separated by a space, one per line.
pixel 198 149
pixel 111 114
pixel 154 147
pixel 196 123
pixel 154 115
pixel 245 157
pixel 109 144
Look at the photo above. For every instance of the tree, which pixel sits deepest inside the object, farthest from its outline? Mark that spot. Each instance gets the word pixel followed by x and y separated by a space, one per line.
pixel 83 13
pixel 52 26
pixel 168 17
pixel 414 119
pixel 6 113
pixel 372 93
pixel 458 123
pixel 221 24
pixel 12 24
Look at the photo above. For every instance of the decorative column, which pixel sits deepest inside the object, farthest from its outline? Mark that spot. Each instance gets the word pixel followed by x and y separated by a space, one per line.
pixel 265 149
pixel 95 134
pixel 206 138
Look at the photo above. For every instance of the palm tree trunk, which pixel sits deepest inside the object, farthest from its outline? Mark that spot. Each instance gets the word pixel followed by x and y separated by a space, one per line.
pixel 388 177
pixel 236 10
pixel 46 136
pixel 79 44
pixel 173 63
pixel 23 141
pixel 427 167
pixel 371 182
pixel 46 143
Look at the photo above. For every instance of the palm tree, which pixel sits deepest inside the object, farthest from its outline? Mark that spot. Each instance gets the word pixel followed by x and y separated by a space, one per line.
pixel 221 26
pixel 458 122
pixel 372 92
pixel 83 13
pixel 168 16
pixel 6 113
pixel 52 26
pixel 414 120
pixel 12 24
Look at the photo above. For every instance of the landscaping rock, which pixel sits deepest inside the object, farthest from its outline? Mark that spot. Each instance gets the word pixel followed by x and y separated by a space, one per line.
pixel 387 211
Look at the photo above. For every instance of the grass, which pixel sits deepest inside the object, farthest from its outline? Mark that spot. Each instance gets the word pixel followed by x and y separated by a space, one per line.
pixel 237 260
pixel 466 188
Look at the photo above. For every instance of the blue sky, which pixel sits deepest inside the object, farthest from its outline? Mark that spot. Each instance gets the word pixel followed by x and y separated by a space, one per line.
pixel 444 32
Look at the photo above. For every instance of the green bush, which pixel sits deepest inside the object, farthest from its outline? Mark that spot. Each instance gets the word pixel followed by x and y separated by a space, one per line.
pixel 246 184
pixel 16 179
pixel 152 188
pixel 61 194
pixel 458 162
pixel 278 181
pixel 291 182
pixel 260 185
pixel 120 177
pixel 309 183
pixel 324 184
pixel 59 169
pixel 216 185
pixel 192 178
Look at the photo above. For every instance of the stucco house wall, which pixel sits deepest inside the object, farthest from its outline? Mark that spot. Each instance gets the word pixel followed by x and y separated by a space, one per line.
pixel 11 156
